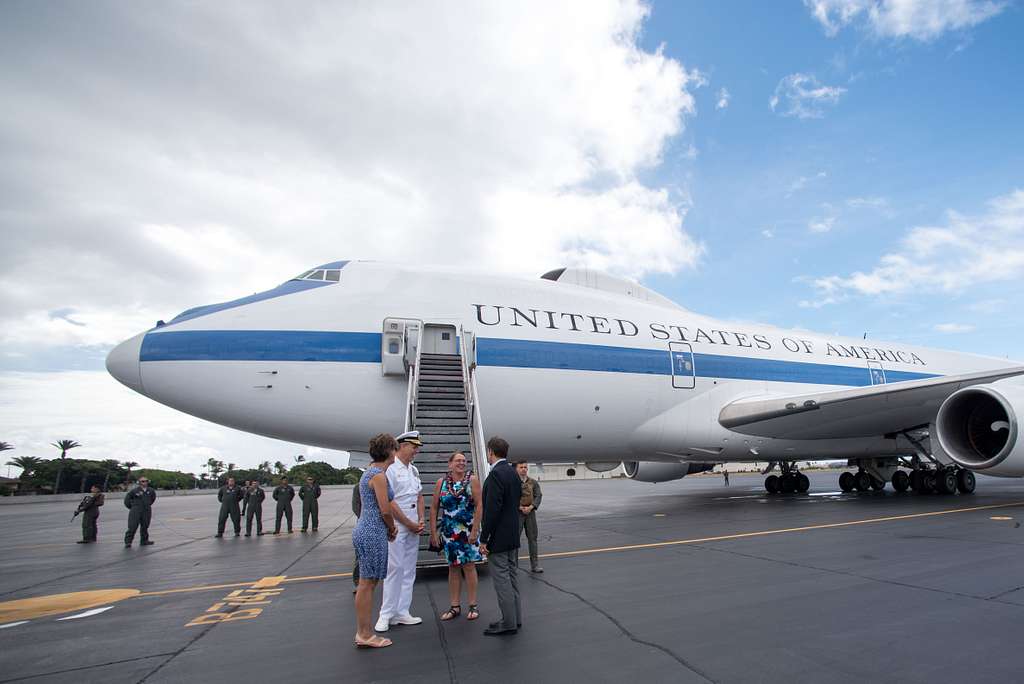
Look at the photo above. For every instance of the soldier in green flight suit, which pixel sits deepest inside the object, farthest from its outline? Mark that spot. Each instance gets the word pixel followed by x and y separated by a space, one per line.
pixel 254 497
pixel 309 493
pixel 139 502
pixel 283 495
pixel 229 496
pixel 89 508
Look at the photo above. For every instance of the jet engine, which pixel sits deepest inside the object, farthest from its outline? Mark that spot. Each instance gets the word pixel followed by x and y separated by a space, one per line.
pixel 655 471
pixel 979 428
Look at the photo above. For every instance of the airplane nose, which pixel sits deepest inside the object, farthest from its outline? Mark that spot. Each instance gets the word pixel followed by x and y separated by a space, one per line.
pixel 123 363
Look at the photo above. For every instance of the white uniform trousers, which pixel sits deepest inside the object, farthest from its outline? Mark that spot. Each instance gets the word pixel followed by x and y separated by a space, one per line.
pixel 402 553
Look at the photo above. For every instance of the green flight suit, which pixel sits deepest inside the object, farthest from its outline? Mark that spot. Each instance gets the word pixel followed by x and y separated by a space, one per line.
pixel 310 506
pixel 229 498
pixel 90 511
pixel 254 497
pixel 283 495
pixel 139 503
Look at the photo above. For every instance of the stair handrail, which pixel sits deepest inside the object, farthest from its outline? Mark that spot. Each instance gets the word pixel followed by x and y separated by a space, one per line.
pixel 412 393
pixel 477 441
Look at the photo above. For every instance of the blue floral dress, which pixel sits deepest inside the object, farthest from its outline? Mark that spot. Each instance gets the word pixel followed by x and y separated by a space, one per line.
pixel 457 508
pixel 370 536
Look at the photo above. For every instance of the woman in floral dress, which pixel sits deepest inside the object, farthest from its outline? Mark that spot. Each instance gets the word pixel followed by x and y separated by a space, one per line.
pixel 459 502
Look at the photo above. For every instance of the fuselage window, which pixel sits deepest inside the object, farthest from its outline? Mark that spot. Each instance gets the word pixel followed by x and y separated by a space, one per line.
pixel 303 275
pixel 393 347
pixel 334 275
pixel 315 275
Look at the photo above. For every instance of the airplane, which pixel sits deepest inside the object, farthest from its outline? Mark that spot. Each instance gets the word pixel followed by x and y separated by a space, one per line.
pixel 576 366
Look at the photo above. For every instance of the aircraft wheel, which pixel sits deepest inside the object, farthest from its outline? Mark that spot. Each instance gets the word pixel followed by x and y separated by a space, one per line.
pixel 862 481
pixel 803 483
pixel 771 484
pixel 916 481
pixel 877 485
pixel 787 484
pixel 965 482
pixel 900 481
pixel 945 481
pixel 846 482
pixel 927 483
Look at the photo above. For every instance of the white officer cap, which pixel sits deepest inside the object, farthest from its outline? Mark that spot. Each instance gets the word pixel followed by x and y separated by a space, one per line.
pixel 412 437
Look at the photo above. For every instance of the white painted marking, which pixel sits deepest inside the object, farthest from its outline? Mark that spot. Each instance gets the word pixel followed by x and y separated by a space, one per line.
pixel 14 624
pixel 825 494
pixel 88 613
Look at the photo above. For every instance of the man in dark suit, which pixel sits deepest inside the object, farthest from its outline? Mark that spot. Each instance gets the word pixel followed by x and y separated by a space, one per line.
pixel 499 538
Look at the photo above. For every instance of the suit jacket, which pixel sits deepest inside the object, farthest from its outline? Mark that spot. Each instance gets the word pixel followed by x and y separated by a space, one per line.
pixel 502 489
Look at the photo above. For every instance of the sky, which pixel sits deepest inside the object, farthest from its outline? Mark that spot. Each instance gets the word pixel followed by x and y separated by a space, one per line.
pixel 844 166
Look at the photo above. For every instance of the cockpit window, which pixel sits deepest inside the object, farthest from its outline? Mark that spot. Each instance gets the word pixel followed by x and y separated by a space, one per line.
pixel 328 272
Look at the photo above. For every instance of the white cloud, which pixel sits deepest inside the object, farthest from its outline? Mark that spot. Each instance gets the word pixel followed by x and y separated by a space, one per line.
pixel 801 182
pixel 953 328
pixel 722 99
pixel 803 96
pixel 966 251
pixel 111 421
pixel 160 158
pixel 918 19
pixel 821 225
pixel 867 203
pixel 768 233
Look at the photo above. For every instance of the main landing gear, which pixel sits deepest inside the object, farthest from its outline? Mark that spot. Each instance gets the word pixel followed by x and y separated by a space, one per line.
pixel 922 478
pixel 788 482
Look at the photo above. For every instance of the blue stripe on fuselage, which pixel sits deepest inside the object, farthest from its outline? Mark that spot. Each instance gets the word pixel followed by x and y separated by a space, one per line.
pixel 352 347
pixel 260 345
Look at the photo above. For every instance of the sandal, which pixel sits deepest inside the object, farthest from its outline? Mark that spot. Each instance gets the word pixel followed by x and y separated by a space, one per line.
pixel 473 612
pixel 452 613
pixel 373 642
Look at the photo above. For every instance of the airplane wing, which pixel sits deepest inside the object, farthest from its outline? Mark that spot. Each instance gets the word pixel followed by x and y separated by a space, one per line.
pixel 860 412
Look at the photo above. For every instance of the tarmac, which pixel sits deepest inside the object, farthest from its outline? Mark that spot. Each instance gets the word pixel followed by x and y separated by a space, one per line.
pixel 686 581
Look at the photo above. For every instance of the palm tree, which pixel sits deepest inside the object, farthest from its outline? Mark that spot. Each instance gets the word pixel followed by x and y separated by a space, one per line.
pixel 4 446
pixel 280 468
pixel 129 465
pixel 300 458
pixel 28 464
pixel 108 465
pixel 64 445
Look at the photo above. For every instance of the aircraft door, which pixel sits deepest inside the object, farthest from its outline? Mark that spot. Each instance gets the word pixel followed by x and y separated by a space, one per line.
pixel 877 373
pixel 683 371
pixel 439 339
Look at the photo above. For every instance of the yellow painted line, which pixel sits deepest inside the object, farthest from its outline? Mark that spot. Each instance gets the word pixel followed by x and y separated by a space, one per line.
pixel 763 533
pixel 632 547
pixel 1001 517
pixel 186 590
pixel 268 582
pixel 43 606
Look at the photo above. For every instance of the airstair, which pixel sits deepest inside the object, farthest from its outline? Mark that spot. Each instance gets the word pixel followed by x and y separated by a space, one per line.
pixel 443 406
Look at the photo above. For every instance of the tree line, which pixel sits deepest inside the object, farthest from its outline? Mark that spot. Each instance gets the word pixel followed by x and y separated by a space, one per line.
pixel 64 474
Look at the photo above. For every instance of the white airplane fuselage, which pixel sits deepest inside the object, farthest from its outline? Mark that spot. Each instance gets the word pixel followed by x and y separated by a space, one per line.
pixel 566 373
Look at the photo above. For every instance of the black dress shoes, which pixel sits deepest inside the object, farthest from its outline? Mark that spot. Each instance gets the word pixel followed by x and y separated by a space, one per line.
pixel 497 631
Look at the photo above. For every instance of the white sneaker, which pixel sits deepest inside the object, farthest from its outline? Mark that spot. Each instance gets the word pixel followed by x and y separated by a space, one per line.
pixel 406 620
pixel 383 625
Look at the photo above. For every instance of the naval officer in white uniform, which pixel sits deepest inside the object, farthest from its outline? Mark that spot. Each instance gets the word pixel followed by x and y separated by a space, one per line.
pixel 407 507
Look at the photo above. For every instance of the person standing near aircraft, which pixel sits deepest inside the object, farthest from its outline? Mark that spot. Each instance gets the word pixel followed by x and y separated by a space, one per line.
pixel 245 500
pixel 458 499
pixel 139 502
pixel 89 509
pixel 499 539
pixel 357 508
pixel 309 493
pixel 529 502
pixel 254 497
pixel 229 496
pixel 407 508
pixel 283 495
pixel 376 527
